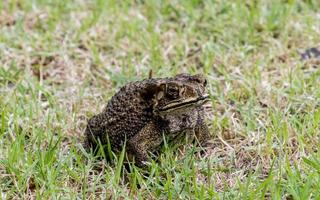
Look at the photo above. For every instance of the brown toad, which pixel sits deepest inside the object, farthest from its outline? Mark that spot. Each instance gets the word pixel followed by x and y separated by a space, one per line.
pixel 142 112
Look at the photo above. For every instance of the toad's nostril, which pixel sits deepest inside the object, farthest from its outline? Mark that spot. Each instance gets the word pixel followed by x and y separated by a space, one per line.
pixel 205 82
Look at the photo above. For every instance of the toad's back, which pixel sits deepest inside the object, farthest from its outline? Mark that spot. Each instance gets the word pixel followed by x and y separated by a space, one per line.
pixel 128 111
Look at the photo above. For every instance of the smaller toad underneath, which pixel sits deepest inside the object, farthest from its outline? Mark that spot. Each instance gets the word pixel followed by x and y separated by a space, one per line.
pixel 142 113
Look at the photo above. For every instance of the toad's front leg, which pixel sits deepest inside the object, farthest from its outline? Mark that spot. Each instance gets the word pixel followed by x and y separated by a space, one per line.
pixel 147 140
pixel 203 135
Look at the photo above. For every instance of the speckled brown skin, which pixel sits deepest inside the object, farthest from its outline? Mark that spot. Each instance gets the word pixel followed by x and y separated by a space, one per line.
pixel 142 112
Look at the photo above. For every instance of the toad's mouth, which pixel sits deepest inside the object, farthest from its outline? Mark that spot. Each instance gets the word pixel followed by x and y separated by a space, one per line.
pixel 186 103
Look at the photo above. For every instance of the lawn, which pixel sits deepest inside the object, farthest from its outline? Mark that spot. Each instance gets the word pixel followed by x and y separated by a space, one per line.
pixel 61 61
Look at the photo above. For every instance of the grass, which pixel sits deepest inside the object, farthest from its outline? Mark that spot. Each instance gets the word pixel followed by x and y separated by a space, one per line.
pixel 60 62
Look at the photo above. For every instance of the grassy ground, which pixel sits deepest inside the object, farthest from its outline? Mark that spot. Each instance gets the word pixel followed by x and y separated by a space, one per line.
pixel 60 61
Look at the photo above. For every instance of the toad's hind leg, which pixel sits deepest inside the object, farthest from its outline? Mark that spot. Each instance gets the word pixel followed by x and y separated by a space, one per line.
pixel 95 131
pixel 147 140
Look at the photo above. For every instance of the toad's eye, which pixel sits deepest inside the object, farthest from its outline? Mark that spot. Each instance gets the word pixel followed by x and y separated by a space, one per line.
pixel 173 92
